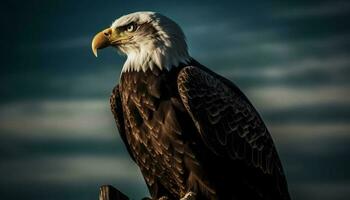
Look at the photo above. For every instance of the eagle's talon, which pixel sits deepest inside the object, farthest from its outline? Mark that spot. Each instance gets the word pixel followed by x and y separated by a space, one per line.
pixel 163 198
pixel 189 196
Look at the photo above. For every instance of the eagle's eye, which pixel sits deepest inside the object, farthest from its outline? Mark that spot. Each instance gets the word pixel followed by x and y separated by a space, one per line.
pixel 131 28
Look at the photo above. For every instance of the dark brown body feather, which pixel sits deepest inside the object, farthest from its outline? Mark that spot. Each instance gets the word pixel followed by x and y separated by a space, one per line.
pixel 189 129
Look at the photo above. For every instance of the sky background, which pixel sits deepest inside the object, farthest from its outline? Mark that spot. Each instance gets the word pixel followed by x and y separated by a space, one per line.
pixel 58 140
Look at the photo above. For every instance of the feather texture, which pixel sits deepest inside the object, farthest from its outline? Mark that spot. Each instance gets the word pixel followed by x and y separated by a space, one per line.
pixel 230 126
pixel 189 129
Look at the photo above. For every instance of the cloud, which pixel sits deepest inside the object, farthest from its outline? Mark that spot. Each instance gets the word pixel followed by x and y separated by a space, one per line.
pixel 301 131
pixel 232 39
pixel 269 43
pixel 306 72
pixel 321 191
pixel 319 10
pixel 256 47
pixel 97 82
pixel 311 138
pixel 60 44
pixel 70 169
pixel 58 119
pixel 287 97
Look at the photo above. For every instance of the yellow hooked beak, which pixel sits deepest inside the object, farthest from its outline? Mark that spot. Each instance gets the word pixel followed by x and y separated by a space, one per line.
pixel 103 39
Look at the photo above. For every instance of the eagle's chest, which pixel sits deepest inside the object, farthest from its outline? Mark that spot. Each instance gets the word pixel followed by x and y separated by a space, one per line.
pixel 153 115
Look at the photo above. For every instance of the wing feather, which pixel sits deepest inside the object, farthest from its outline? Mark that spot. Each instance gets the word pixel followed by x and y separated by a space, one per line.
pixel 227 122
pixel 117 110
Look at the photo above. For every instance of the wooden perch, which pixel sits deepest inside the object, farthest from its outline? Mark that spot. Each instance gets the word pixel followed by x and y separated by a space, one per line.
pixel 108 192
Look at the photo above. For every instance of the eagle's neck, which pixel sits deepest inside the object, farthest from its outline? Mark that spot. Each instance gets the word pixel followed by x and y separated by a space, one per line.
pixel 150 56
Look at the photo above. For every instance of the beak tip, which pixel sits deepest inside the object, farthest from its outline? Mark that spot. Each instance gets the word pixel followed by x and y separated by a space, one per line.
pixel 100 41
pixel 94 48
pixel 95 52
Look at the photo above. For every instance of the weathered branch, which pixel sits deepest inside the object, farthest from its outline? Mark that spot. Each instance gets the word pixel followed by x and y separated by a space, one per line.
pixel 108 192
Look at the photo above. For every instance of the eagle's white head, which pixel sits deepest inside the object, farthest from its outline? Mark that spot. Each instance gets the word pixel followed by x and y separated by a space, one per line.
pixel 148 39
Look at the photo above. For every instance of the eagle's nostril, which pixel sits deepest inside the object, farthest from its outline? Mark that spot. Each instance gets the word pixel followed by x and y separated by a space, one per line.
pixel 107 33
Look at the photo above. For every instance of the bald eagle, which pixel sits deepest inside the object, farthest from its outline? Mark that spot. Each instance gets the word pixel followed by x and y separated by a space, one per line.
pixel 192 132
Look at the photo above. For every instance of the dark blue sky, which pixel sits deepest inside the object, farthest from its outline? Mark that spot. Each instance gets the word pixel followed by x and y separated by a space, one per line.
pixel 57 135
